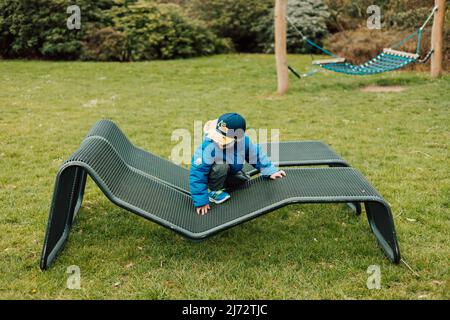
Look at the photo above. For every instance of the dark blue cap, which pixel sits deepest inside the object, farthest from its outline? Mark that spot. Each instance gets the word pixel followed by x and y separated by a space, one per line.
pixel 230 121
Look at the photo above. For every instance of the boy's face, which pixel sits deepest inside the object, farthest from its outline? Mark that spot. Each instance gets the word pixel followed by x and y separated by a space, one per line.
pixel 237 136
pixel 231 144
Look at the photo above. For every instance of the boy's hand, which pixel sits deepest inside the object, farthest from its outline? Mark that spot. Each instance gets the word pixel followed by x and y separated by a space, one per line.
pixel 279 174
pixel 203 210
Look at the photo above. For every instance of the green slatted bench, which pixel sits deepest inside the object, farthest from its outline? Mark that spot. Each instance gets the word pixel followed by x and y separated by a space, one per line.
pixel 291 153
pixel 131 178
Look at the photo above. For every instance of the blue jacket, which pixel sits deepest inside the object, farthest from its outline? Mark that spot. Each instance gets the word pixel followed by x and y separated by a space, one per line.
pixel 209 153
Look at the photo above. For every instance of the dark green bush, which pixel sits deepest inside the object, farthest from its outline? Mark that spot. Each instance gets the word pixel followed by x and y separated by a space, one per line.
pixel 105 44
pixel 308 16
pixel 110 30
pixel 239 20
pixel 412 18
pixel 163 32
pixel 37 29
pixel 249 23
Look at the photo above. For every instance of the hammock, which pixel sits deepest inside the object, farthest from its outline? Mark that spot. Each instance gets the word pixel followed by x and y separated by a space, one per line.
pixel 388 60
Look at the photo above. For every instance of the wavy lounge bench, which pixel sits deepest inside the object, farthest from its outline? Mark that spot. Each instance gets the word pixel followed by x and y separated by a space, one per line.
pixel 145 185
pixel 294 153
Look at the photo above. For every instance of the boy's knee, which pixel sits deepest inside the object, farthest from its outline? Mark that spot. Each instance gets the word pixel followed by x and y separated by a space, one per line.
pixel 219 169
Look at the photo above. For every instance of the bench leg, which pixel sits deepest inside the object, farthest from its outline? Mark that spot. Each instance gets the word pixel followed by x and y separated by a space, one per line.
pixel 382 224
pixel 355 206
pixel 80 184
pixel 67 198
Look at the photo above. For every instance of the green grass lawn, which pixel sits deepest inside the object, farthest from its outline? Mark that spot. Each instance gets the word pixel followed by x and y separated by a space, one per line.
pixel 399 141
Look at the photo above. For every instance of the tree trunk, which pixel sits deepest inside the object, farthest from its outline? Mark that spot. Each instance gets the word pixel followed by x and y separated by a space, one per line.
pixel 437 39
pixel 281 46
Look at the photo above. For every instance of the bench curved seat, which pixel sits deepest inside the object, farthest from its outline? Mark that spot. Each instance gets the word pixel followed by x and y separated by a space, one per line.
pixel 290 153
pixel 148 196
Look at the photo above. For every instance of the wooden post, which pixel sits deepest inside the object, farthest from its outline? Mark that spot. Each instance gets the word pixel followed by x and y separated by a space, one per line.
pixel 437 39
pixel 281 46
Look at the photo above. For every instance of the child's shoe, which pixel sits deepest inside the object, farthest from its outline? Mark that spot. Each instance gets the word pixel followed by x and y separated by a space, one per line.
pixel 218 196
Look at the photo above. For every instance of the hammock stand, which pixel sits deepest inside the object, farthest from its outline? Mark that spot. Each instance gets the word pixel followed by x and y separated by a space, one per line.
pixel 388 60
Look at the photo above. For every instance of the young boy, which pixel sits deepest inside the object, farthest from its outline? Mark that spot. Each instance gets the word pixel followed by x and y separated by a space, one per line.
pixel 217 163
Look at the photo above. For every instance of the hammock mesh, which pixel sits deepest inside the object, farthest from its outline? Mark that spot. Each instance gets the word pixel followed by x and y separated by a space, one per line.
pixel 381 63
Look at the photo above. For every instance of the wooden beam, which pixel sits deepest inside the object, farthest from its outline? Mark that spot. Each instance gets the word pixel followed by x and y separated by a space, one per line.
pixel 401 53
pixel 281 46
pixel 328 61
pixel 437 39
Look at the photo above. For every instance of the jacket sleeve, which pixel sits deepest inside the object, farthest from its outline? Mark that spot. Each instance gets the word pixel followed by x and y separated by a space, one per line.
pixel 198 176
pixel 258 159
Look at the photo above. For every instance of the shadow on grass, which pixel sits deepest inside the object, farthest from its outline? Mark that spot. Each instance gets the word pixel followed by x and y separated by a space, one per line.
pixel 306 234
pixel 402 81
pixel 348 83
